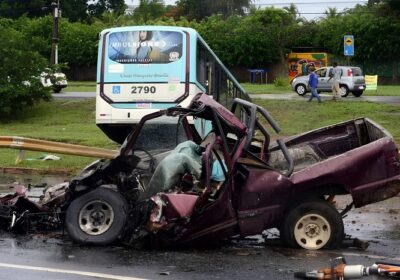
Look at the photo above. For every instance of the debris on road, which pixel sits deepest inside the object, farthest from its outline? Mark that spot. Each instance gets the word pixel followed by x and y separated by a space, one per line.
pixel 340 270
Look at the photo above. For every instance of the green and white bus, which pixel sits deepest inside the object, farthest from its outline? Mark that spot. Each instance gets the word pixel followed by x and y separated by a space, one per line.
pixel 142 69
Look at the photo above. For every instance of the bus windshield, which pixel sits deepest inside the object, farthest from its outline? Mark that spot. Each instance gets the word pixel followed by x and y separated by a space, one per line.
pixel 145 46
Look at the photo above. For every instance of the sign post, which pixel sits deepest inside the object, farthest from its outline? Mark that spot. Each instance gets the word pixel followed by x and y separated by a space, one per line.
pixel 348 46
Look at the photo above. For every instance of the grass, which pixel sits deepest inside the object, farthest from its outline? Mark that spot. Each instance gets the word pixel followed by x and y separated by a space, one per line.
pixel 384 91
pixel 73 121
pixel 271 88
pixel 80 86
pixel 265 88
pixel 298 116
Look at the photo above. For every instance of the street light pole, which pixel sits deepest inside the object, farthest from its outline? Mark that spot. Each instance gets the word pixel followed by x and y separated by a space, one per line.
pixel 54 46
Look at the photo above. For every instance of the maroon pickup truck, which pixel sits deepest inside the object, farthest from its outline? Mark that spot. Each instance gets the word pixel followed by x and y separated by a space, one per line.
pixel 289 185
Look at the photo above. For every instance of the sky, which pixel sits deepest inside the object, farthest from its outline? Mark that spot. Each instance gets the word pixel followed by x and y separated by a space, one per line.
pixel 310 9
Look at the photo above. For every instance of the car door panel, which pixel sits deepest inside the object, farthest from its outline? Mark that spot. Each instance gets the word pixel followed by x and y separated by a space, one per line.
pixel 323 77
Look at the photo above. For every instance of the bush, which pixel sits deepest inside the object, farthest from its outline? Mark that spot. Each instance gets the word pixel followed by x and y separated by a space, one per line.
pixel 281 82
pixel 20 69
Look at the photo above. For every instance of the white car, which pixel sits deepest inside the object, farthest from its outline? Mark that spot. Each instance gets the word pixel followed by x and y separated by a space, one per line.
pixel 351 80
pixel 56 80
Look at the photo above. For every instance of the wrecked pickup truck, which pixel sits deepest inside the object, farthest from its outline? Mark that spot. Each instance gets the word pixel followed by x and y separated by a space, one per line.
pixel 233 183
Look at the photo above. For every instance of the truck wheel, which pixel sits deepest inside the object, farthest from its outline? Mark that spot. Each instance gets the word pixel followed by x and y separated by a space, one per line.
pixel 344 91
pixel 301 89
pixel 97 217
pixel 357 93
pixel 313 225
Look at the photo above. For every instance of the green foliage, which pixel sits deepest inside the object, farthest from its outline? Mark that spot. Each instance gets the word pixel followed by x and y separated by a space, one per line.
pixel 252 41
pixel 74 10
pixel 200 9
pixel 15 9
pixel 256 40
pixel 281 82
pixel 37 32
pixel 148 10
pixel 20 69
pixel 98 8
pixel 79 43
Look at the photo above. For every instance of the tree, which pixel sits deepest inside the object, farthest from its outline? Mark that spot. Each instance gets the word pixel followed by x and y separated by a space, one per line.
pixel 79 43
pixel 15 9
pixel 199 9
pixel 102 6
pixel 256 40
pixel 20 86
pixel 74 10
pixel 331 12
pixel 149 10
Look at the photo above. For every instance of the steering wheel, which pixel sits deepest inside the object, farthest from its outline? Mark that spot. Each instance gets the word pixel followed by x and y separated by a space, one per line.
pixel 141 165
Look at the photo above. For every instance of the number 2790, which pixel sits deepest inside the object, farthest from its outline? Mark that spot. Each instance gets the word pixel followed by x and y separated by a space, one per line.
pixel 143 89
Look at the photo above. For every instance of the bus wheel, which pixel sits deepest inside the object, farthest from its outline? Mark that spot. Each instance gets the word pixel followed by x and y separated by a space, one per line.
pixel 97 217
pixel 313 225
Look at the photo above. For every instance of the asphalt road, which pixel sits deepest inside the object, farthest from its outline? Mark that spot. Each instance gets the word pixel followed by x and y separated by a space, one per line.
pixel 44 257
pixel 54 256
pixel 282 96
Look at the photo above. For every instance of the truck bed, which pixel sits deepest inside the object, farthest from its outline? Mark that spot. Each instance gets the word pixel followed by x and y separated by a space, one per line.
pixel 323 143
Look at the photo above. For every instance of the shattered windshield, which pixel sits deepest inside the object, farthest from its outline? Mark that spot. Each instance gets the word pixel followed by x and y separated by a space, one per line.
pixel 156 137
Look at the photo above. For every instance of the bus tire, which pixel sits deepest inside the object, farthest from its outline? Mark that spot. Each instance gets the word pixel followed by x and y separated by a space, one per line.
pixel 97 217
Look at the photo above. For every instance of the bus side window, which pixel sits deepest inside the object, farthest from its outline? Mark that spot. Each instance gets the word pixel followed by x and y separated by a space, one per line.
pixel 201 65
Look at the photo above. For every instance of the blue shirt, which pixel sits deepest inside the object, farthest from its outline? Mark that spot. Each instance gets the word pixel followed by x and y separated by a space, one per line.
pixel 313 80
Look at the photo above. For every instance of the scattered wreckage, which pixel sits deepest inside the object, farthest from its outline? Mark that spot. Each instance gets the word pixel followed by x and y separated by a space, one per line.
pixel 233 183
pixel 339 269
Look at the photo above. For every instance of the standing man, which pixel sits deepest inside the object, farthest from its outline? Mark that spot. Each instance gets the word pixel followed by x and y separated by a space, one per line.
pixel 335 75
pixel 313 83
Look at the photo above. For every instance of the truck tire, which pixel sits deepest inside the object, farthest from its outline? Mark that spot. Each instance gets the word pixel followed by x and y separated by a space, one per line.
pixel 97 217
pixel 344 90
pixel 301 89
pixel 313 225
pixel 357 93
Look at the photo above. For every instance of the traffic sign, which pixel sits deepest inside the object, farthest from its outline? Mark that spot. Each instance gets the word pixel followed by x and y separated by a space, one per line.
pixel 348 43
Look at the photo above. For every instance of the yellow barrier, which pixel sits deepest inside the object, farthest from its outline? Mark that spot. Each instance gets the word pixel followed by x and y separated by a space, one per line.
pixel 371 82
pixel 22 143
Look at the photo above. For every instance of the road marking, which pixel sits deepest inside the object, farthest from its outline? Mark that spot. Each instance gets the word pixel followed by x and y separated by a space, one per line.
pixel 66 271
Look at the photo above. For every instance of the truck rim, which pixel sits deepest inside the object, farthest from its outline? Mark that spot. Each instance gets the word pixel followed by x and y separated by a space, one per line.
pixel 96 217
pixel 312 231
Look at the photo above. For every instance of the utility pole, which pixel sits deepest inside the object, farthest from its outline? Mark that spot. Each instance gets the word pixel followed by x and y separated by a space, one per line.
pixel 55 6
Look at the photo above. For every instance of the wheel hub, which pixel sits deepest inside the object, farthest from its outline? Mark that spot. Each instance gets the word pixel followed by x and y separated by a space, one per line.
pixel 96 217
pixel 312 230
